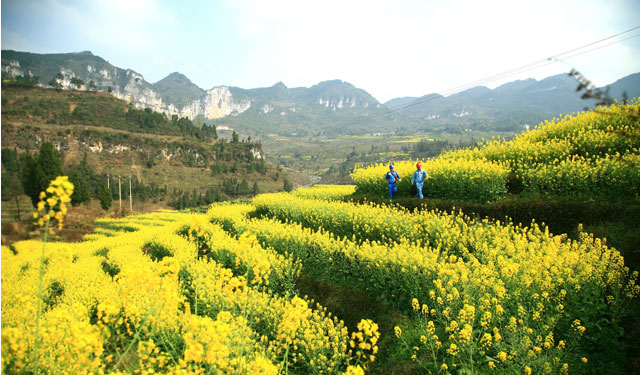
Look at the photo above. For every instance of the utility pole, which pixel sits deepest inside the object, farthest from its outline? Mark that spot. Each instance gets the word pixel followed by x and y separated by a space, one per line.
pixel 119 194
pixel 108 187
pixel 130 197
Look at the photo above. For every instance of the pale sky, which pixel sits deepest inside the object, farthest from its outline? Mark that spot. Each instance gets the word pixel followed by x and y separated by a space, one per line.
pixel 388 48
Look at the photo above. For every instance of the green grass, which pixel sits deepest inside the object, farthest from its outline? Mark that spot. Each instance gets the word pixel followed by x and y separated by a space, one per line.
pixel 351 305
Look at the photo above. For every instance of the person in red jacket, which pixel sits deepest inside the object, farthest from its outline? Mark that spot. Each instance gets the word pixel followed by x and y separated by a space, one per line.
pixel 419 178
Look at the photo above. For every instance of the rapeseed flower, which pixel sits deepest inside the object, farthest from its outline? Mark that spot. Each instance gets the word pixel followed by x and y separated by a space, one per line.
pixel 52 204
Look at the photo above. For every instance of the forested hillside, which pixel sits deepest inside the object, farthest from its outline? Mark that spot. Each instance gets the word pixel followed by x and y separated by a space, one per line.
pixel 99 139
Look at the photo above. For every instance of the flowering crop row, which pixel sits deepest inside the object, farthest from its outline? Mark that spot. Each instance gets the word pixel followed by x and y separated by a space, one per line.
pixel 592 154
pixel 144 299
pixel 379 223
pixel 244 256
pixel 558 157
pixel 325 192
pixel 368 264
pixel 472 180
pixel 486 295
pixel 609 176
pixel 605 131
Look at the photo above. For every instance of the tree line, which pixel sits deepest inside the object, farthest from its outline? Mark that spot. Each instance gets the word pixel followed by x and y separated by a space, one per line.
pixel 30 173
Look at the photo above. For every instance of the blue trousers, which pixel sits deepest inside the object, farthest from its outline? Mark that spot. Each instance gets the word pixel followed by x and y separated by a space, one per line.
pixel 419 188
pixel 393 189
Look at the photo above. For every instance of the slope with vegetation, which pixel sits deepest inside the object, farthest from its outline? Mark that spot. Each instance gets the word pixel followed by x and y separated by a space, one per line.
pixel 99 140
pixel 509 106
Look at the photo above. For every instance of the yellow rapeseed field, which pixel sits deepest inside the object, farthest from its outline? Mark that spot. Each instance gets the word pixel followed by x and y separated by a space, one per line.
pixel 216 293
pixel 590 155
pixel 164 293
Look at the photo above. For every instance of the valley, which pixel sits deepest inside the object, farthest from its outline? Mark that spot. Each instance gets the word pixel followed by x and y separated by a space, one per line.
pixel 522 258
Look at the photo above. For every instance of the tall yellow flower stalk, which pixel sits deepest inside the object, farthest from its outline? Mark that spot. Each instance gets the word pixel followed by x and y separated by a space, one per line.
pixel 50 207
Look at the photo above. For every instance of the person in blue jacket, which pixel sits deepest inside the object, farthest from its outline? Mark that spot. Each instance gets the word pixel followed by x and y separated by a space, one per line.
pixel 392 178
pixel 419 177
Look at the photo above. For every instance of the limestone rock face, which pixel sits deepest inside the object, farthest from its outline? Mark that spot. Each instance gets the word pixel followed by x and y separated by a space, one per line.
pixel 137 91
pixel 338 103
pixel 131 86
pixel 216 103
pixel 12 68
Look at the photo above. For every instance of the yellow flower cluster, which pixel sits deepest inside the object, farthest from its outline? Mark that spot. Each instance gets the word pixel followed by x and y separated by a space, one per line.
pixel 52 204
pixel 69 344
pixel 223 345
pixel 365 342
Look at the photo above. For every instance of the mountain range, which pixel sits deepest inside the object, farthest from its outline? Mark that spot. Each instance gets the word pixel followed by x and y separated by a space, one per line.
pixel 327 108
pixel 520 102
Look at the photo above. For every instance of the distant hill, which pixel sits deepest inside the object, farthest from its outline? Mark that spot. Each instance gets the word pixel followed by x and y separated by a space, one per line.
pixel 329 108
pixel 83 65
pixel 511 105
pixel 399 102
pixel 177 89
pixel 629 84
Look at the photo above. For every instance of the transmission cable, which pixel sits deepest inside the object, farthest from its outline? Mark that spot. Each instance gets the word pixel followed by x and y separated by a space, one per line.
pixel 521 69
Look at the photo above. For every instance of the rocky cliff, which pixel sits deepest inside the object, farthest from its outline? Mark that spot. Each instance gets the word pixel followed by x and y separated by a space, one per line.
pixel 85 71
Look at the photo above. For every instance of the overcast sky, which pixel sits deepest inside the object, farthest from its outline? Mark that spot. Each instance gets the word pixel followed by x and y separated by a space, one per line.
pixel 388 48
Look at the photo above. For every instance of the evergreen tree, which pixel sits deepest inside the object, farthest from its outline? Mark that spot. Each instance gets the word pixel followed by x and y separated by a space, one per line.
pixel 10 160
pixel 212 131
pixel 10 186
pixel 29 181
pixel 105 197
pixel 12 189
pixel 81 190
pixel 287 186
pixel 84 166
pixel 256 189
pixel 48 167
pixel 243 187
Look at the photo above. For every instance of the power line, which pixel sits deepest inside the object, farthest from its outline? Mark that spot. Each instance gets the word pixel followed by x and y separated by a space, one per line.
pixel 521 69
pixel 534 65
pixel 597 48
